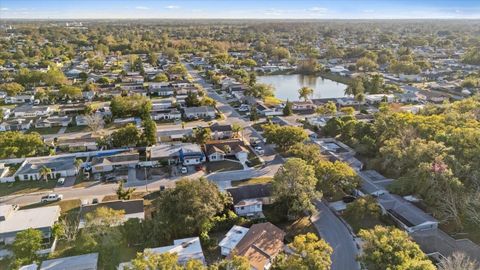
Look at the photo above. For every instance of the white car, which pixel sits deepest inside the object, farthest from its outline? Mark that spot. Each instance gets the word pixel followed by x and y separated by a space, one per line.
pixel 61 181
pixel 184 170
pixel 51 198
pixel 259 150
pixel 244 108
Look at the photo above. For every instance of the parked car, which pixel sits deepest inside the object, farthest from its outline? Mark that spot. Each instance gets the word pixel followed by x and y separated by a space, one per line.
pixel 111 179
pixel 61 181
pixel 51 198
pixel 184 170
pixel 94 200
pixel 259 150
pixel 244 108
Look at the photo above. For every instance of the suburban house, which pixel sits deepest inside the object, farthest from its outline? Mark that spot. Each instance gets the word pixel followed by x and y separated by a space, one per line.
pixel 59 166
pixel 378 98
pixel 186 249
pixel 32 111
pixel 173 154
pixel 53 121
pixel 78 143
pixel 231 239
pixel 13 221
pixel 81 262
pixel 248 200
pixel 104 164
pixel 16 124
pixel 221 150
pixel 174 135
pixel 162 91
pixel 19 99
pixel 221 131
pixel 167 114
pixel 260 245
pixel 303 106
pixel 199 112
pixel 131 209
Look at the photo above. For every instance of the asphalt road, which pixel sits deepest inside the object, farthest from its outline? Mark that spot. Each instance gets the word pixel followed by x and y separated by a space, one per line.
pixel 332 230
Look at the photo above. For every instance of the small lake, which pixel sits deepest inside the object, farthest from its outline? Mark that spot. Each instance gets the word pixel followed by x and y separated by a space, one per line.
pixel 286 86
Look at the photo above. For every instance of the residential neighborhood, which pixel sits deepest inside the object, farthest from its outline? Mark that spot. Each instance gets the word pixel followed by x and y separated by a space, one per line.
pixel 240 144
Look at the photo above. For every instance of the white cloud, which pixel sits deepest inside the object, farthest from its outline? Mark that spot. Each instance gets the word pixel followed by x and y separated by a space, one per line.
pixel 142 7
pixel 172 7
pixel 318 9
pixel 273 12
pixel 368 11
pixel 4 9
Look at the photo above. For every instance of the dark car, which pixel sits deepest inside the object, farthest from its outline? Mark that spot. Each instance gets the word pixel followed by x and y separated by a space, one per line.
pixel 348 199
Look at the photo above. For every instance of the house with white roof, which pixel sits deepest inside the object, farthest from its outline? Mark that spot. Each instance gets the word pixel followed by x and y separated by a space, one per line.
pixel 233 236
pixel 13 221
pixel 80 262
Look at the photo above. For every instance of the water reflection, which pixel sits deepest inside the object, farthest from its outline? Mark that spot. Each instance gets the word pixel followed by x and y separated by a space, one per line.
pixel 286 86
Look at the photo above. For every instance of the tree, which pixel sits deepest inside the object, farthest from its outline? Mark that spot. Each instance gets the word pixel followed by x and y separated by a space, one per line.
pixel 54 77
pixel 365 64
pixel 287 110
pixel 236 129
pixel 131 106
pixel 201 135
pixel 161 77
pixel 458 261
pixel 391 248
pixel 192 99
pixel 333 127
pixel 126 136
pixel 44 173
pixel 234 263
pixel 188 209
pixel 348 110
pixel 78 163
pixel 149 135
pixel 362 211
pixel 260 90
pixel 254 114
pixel 305 92
pixel 124 194
pixel 177 69
pixel 284 136
pixel 310 152
pixel 355 87
pixel 12 89
pixel 294 186
pixel 335 177
pixel 94 122
pixel 163 261
pixel 328 108
pixel 309 252
pixel 26 244
pixel 17 144
pixel 70 92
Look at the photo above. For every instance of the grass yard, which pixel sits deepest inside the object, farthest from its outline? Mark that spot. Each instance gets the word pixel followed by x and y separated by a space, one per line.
pixel 65 205
pixel 224 165
pixel 21 187
pixel 45 131
pixel 77 129
pixel 252 181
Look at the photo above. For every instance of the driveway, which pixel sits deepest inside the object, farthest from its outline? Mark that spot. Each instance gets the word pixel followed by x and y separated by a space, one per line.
pixel 334 231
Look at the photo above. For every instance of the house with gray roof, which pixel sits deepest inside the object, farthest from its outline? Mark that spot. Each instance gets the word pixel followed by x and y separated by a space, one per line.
pixel 60 167
pixel 199 112
pixel 181 153
pixel 80 262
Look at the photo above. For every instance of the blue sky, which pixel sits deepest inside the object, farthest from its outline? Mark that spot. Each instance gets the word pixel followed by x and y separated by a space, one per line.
pixel 244 9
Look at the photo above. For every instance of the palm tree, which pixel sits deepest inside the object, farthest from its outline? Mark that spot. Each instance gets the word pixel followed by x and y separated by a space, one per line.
pixel 305 92
pixel 45 172
pixel 78 163
pixel 236 129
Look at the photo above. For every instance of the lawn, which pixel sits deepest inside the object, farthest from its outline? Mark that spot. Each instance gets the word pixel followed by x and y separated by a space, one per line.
pixel 71 129
pixel 252 181
pixel 21 187
pixel 45 131
pixel 224 165
pixel 65 205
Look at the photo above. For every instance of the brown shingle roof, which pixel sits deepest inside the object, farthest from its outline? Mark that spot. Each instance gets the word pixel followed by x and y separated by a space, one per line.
pixel 262 243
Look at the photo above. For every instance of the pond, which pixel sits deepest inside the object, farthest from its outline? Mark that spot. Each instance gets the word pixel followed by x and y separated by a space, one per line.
pixel 286 86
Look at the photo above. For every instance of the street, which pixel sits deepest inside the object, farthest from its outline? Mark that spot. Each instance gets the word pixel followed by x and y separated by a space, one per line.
pixel 334 231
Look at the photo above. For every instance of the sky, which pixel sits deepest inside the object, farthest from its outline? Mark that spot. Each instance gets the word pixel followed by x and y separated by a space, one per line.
pixel 240 9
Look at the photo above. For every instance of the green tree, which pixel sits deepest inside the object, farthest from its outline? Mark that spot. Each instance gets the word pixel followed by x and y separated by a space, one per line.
pixel 126 136
pixel 131 106
pixel 201 135
pixel 328 108
pixel 234 263
pixel 355 87
pixel 284 136
pixel 149 135
pixel 366 64
pixel 188 209
pixel 294 186
pixel 44 173
pixel 26 244
pixel 12 89
pixel 309 252
pixel 335 177
pixel 17 144
pixel 124 194
pixel 360 212
pixel 310 152
pixel 54 77
pixel 236 129
pixel 71 92
pixel 333 127
pixel 287 110
pixel 305 92
pixel 391 248
pixel 161 77
pixel 254 114
pixel 192 99
pixel 260 90
pixel 348 110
